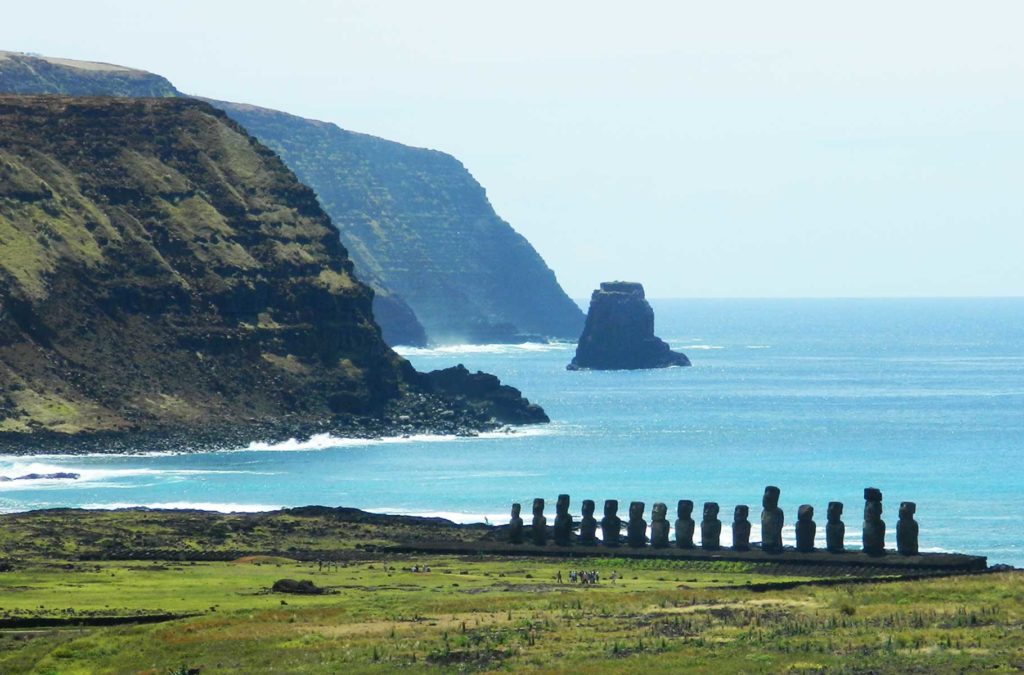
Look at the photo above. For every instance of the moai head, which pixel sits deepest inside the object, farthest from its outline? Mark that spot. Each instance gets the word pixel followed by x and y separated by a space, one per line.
pixel 872 510
pixel 538 507
pixel 659 511
pixel 835 512
pixel 588 508
pixel 516 509
pixel 684 508
pixel 771 497
pixel 611 508
pixel 907 510
pixel 805 512
pixel 636 510
pixel 710 510
pixel 562 505
pixel 741 513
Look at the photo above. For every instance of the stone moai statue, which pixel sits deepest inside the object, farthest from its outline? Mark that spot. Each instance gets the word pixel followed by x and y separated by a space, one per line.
pixel 563 521
pixel 588 524
pixel 741 528
pixel 835 529
pixel 906 529
pixel 711 528
pixel 659 526
pixel 636 528
pixel 611 524
pixel 515 526
pixel 540 523
pixel 684 524
pixel 874 526
pixel 771 521
pixel 805 528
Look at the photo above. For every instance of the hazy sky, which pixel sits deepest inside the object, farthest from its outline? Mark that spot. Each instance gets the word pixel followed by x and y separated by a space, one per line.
pixel 705 149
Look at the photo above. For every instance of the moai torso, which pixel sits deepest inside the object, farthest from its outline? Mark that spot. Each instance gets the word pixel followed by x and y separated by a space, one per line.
pixel 805 528
pixel 741 528
pixel 874 526
pixel 771 521
pixel 659 526
pixel 636 529
pixel 906 529
pixel 539 529
pixel 563 521
pixel 611 524
pixel 588 524
pixel 515 526
pixel 835 529
pixel 710 528
pixel 684 524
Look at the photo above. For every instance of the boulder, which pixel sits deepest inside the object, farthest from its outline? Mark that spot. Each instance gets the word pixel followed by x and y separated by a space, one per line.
pixel 304 587
pixel 619 332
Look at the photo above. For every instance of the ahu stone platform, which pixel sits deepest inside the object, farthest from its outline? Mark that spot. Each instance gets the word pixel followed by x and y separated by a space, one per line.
pixel 636 538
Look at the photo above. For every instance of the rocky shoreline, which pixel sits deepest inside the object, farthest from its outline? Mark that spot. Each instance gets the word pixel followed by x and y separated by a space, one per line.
pixel 412 414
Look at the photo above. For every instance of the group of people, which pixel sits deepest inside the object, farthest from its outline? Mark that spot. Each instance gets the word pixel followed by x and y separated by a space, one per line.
pixel 582 577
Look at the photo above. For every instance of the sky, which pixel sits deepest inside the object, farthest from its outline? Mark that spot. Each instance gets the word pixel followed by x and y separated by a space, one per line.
pixel 732 149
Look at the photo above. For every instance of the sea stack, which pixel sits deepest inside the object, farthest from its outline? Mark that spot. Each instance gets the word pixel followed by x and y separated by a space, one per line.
pixel 619 332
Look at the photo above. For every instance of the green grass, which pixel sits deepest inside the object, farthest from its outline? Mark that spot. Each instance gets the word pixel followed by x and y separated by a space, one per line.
pixel 468 614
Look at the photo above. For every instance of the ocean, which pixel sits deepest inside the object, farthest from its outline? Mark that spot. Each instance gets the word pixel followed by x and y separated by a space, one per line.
pixel 923 399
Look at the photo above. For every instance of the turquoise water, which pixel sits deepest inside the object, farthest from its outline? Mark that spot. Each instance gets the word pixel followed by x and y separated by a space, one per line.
pixel 921 398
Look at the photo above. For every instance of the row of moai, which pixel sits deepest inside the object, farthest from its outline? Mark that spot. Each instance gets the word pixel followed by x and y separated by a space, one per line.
pixel 772 519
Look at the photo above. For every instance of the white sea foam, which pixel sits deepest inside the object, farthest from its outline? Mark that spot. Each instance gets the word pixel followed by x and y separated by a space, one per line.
pixel 326 441
pixel 447 350
pixel 758 346
pixel 94 477
pixel 704 347
pixel 220 507
pixel 461 517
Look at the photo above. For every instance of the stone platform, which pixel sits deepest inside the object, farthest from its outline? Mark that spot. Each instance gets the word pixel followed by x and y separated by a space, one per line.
pixel 890 560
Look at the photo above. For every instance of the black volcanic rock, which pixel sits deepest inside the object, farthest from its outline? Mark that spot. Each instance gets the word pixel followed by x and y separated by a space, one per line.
pixel 484 392
pixel 619 332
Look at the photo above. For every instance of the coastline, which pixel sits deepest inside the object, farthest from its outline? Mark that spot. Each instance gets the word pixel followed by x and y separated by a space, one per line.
pixel 402 418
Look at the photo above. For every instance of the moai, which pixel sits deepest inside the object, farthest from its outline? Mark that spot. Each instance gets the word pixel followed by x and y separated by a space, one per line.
pixel 805 528
pixel 684 524
pixel 588 524
pixel 741 528
pixel 636 529
pixel 540 523
pixel 835 530
pixel 771 521
pixel 515 526
pixel 874 526
pixel 710 528
pixel 906 529
pixel 611 524
pixel 659 526
pixel 563 521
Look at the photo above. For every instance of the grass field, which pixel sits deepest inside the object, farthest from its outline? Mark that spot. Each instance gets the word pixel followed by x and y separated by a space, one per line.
pixel 491 613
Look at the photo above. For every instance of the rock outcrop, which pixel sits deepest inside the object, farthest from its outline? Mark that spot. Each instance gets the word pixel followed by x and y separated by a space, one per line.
pixel 418 227
pixel 619 332
pixel 160 268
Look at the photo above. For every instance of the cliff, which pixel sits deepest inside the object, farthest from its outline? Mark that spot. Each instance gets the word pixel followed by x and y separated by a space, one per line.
pixel 619 332
pixel 161 269
pixel 417 226
pixel 32 74
pixel 418 222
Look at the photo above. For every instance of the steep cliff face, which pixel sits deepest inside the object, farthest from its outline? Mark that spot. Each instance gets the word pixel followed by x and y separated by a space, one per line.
pixel 160 268
pixel 417 220
pixel 417 225
pixel 619 332
pixel 157 265
pixel 30 74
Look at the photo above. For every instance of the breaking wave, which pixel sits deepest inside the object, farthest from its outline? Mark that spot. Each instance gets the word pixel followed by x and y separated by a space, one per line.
pixel 447 350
